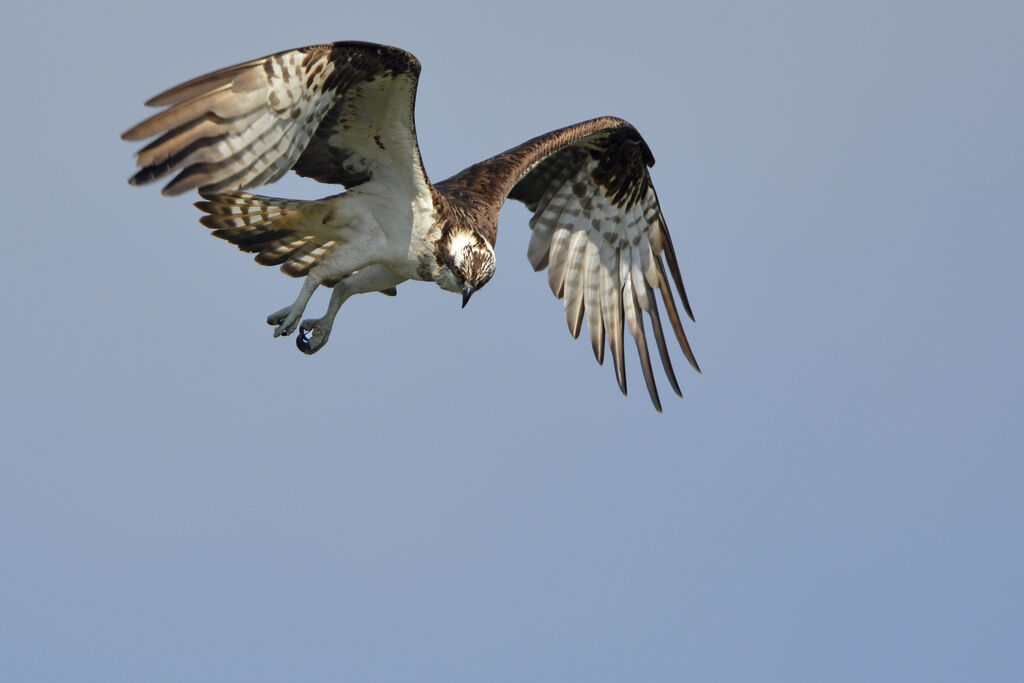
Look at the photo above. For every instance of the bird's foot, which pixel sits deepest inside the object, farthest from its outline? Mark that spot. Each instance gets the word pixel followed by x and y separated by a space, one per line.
pixel 313 334
pixel 285 320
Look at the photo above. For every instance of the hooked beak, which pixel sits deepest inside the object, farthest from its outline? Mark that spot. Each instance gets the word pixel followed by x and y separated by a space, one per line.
pixel 467 292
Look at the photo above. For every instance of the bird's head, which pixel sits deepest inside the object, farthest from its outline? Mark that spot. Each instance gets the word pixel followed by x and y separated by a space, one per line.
pixel 467 263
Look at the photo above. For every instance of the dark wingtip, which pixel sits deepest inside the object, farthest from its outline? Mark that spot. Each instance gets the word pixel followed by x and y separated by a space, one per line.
pixel 133 134
pixel 144 176
pixel 686 305
pixel 653 391
pixel 621 377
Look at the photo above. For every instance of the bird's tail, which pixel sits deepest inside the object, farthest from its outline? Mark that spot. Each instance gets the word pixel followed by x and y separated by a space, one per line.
pixel 277 230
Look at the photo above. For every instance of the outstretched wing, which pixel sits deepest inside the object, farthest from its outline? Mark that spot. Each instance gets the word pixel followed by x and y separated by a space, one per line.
pixel 334 112
pixel 599 232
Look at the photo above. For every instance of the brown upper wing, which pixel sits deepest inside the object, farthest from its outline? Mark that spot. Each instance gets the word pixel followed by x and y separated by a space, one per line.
pixel 332 112
pixel 597 229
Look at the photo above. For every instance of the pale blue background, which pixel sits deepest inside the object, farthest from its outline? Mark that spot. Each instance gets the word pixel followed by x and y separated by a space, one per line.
pixel 464 495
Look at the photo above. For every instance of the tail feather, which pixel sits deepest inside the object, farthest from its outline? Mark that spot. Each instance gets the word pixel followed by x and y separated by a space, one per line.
pixel 271 228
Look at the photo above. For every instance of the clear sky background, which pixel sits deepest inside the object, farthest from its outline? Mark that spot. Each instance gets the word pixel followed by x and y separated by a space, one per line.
pixel 464 495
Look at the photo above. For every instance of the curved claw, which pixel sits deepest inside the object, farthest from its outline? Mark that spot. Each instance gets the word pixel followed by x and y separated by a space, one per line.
pixel 312 336
pixel 285 321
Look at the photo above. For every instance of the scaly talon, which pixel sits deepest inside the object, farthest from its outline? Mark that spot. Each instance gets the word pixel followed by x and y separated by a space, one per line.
pixel 312 336
pixel 285 321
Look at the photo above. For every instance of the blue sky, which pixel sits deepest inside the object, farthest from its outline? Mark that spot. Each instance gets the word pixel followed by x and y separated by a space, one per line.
pixel 446 494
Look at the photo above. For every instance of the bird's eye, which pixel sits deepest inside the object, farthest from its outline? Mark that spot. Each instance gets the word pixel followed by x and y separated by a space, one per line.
pixel 458 272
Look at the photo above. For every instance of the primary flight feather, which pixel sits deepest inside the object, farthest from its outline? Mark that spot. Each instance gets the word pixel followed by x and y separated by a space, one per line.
pixel 343 113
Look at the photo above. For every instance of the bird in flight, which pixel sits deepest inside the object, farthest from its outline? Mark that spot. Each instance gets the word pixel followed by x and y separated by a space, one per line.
pixel 343 113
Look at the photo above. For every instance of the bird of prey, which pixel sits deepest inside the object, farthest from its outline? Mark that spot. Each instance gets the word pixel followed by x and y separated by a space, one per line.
pixel 342 113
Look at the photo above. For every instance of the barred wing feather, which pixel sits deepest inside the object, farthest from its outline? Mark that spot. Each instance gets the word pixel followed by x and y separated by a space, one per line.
pixel 599 232
pixel 332 112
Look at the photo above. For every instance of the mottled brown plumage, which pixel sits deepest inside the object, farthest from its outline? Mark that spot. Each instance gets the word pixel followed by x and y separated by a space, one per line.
pixel 343 113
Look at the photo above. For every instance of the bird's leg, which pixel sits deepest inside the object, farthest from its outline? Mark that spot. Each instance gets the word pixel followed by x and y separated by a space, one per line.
pixel 288 318
pixel 313 334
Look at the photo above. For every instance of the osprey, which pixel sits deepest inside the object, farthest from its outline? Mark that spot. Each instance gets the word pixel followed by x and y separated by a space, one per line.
pixel 343 113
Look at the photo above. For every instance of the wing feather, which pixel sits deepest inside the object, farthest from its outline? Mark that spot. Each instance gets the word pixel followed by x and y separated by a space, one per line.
pixel 634 321
pixel 224 103
pixel 216 167
pixel 333 112
pixel 544 226
pixel 540 242
pixel 574 276
pixel 183 140
pixel 598 230
pixel 592 299
pixel 558 257
pixel 611 311
pixel 673 315
pixel 240 75
pixel 659 338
